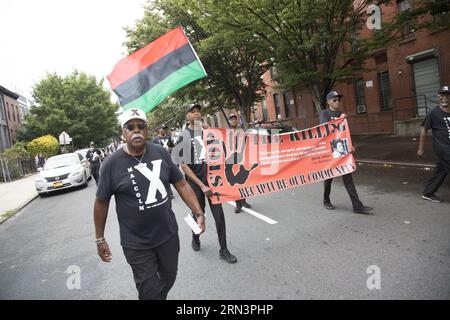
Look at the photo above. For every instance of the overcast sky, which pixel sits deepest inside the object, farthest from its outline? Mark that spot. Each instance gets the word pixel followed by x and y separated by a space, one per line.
pixel 39 36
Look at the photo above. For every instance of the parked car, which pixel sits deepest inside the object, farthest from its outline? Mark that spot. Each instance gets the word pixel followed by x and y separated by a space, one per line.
pixel 63 171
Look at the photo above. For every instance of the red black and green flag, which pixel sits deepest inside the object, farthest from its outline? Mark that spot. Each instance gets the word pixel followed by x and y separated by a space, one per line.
pixel 146 77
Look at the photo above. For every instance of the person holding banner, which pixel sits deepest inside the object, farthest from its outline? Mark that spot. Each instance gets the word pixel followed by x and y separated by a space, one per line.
pixel 193 163
pixel 138 175
pixel 333 112
pixel 233 121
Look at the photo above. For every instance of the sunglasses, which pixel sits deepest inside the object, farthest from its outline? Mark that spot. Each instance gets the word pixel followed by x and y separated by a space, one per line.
pixel 336 100
pixel 132 126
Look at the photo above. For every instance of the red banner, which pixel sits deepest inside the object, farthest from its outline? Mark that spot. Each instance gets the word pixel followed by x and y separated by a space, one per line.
pixel 243 165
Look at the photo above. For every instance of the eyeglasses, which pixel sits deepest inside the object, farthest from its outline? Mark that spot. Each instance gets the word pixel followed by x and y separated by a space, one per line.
pixel 336 100
pixel 132 126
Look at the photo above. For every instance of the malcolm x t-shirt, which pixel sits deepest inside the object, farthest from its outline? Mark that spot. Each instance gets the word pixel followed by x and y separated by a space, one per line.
pixel 146 219
pixel 439 122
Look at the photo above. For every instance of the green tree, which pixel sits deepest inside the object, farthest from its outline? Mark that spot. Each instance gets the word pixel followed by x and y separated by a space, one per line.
pixel 315 43
pixel 234 65
pixel 46 145
pixel 77 104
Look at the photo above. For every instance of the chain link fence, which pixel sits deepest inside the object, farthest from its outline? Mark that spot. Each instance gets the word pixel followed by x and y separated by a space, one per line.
pixel 15 168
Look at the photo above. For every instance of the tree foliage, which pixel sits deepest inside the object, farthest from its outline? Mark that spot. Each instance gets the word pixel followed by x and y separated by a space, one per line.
pixel 46 145
pixel 76 104
pixel 316 43
pixel 233 64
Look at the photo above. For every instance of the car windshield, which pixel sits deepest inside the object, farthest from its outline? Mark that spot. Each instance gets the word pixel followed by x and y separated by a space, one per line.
pixel 61 161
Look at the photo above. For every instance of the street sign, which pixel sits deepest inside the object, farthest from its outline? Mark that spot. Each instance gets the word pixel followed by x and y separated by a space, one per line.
pixel 64 138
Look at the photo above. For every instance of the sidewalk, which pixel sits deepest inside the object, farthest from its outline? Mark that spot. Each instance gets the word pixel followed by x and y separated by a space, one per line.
pixel 15 195
pixel 387 150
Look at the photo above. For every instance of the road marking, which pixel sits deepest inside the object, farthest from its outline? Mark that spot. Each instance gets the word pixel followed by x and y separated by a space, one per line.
pixel 254 213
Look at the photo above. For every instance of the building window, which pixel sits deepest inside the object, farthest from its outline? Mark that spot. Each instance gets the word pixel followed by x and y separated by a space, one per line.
pixel 384 91
pixel 408 28
pixel 2 111
pixel 9 113
pixel 287 105
pixel 276 100
pixel 360 96
pixel 265 114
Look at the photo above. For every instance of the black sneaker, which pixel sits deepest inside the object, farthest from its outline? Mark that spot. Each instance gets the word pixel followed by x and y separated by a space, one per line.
pixel 196 243
pixel 363 210
pixel 329 206
pixel 431 197
pixel 227 256
pixel 238 207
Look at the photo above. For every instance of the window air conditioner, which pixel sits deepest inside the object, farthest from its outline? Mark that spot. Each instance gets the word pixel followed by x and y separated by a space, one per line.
pixel 361 109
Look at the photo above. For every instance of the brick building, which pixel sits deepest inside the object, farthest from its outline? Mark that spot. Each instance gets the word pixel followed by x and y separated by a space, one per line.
pixel 10 117
pixel 393 98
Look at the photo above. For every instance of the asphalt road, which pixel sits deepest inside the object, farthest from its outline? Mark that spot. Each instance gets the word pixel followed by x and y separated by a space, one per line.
pixel 310 253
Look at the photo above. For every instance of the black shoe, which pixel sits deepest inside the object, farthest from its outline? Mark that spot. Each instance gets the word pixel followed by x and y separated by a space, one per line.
pixel 329 206
pixel 227 256
pixel 246 205
pixel 431 197
pixel 363 210
pixel 196 243
pixel 238 208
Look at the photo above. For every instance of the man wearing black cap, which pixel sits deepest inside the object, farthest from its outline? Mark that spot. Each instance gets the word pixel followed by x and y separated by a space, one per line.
pixel 333 112
pixel 438 120
pixel 193 163
pixel 233 120
pixel 94 156
pixel 164 139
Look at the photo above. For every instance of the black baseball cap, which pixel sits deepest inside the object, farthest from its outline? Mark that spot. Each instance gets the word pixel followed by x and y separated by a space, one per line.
pixel 232 116
pixel 444 90
pixel 333 94
pixel 190 107
pixel 164 127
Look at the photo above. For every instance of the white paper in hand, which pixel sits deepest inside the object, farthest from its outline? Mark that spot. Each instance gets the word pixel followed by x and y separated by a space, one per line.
pixel 192 224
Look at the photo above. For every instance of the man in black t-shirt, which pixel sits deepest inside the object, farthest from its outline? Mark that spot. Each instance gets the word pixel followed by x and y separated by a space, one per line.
pixel 193 163
pixel 438 120
pixel 333 112
pixel 138 175
pixel 94 156
pixel 165 139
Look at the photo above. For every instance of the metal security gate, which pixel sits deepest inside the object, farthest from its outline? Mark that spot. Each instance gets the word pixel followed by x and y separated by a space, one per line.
pixel 427 82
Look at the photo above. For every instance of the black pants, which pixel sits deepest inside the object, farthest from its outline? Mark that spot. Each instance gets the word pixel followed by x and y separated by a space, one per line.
pixel 154 270
pixel 94 171
pixel 351 189
pixel 439 174
pixel 218 215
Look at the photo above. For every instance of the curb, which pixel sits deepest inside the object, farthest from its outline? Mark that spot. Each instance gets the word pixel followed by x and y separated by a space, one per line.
pixel 3 219
pixel 383 163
